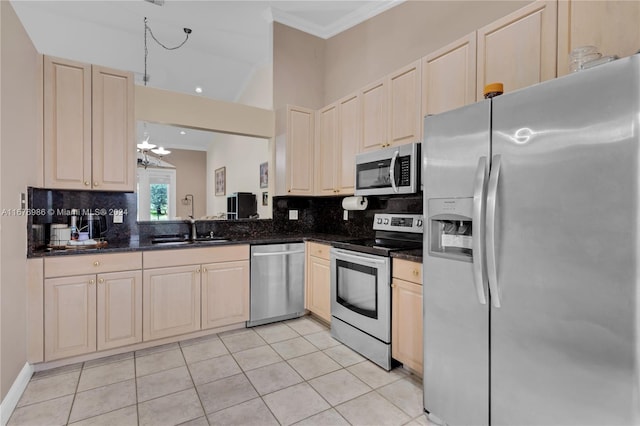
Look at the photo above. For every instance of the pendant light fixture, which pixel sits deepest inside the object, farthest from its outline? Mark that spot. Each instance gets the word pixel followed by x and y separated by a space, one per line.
pixel 147 31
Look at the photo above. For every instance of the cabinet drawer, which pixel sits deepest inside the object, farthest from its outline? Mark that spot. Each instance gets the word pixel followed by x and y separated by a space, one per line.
pixel 91 264
pixel 407 270
pixel 195 256
pixel 318 250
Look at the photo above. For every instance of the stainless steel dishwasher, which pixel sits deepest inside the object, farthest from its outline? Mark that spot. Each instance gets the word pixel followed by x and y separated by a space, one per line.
pixel 277 282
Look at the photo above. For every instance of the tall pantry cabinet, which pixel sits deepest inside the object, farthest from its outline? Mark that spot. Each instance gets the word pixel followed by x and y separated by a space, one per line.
pixel 89 127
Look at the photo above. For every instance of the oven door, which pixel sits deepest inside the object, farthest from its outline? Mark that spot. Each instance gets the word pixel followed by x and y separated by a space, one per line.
pixel 361 291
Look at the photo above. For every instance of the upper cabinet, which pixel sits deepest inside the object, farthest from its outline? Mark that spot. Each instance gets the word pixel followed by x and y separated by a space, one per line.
pixel 611 26
pixel 299 151
pixel 88 127
pixel 338 141
pixel 391 109
pixel 405 118
pixel 449 76
pixel 520 49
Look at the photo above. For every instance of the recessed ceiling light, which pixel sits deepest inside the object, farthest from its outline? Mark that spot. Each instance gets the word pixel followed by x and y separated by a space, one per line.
pixel 198 89
pixel 182 132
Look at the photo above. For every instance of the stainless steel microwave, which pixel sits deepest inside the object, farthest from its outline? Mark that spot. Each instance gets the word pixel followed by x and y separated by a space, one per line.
pixel 389 171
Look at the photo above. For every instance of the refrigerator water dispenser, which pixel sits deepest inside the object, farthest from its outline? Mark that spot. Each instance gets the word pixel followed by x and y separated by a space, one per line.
pixel 451 228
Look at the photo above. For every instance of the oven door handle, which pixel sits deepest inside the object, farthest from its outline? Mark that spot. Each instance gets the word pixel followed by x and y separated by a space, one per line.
pixel 392 170
pixel 359 258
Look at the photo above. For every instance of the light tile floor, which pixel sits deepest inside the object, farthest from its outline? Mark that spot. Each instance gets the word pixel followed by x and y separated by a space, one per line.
pixel 286 373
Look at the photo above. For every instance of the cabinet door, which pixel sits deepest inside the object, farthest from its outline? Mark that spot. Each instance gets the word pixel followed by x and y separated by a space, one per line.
pixel 119 305
pixel 67 124
pixel 69 316
pixel 406 324
pixel 405 120
pixel 299 151
pixel 114 152
pixel 374 114
pixel 225 293
pixel 611 26
pixel 449 76
pixel 349 142
pixel 319 287
pixel 520 49
pixel 170 301
pixel 326 150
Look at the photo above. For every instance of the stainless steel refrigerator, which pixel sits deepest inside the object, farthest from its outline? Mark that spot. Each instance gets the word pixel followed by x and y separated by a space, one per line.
pixel 531 258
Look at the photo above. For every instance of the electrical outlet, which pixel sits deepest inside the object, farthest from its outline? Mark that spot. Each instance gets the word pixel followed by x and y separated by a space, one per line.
pixel 23 201
pixel 293 214
pixel 345 214
pixel 118 216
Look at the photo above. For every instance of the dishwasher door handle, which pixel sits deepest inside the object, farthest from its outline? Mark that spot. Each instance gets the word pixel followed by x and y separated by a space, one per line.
pixel 278 253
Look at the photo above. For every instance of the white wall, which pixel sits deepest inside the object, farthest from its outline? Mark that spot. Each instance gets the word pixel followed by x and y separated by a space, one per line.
pixel 20 166
pixel 242 155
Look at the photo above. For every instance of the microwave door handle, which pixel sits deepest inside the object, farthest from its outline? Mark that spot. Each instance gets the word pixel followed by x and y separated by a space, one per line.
pixel 392 171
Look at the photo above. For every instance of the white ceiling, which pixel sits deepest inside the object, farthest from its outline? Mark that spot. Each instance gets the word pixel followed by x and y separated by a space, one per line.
pixel 230 39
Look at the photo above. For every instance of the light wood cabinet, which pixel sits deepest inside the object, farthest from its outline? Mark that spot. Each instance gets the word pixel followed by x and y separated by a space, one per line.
pixel 171 301
pixel 327 151
pixel 193 289
pixel 338 142
pixel 406 314
pixel 611 26
pixel 88 127
pixel 91 311
pixel 449 76
pixel 299 151
pixel 70 316
pixel 391 109
pixel 374 115
pixel 405 118
pixel 518 50
pixel 225 293
pixel 318 285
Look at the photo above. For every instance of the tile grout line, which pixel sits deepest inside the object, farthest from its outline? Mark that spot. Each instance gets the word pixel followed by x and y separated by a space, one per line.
pixel 75 393
pixel 135 383
pixel 195 388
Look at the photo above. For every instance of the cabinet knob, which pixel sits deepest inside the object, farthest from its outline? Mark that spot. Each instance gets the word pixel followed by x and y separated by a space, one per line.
pixel 416 272
pixel 288 190
pixel 86 183
pixel 96 263
pixel 92 282
pixel 96 183
pixel 101 280
pixel 204 269
pixel 198 270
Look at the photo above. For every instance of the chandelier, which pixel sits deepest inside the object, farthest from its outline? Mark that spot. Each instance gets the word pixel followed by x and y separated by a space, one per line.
pixel 145 147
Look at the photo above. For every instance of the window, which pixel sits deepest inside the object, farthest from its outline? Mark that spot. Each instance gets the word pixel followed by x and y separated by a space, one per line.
pixel 156 194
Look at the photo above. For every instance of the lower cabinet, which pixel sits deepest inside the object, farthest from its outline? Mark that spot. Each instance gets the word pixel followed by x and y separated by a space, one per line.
pixel 194 289
pixel 86 313
pixel 406 318
pixel 225 293
pixel 318 285
pixel 171 301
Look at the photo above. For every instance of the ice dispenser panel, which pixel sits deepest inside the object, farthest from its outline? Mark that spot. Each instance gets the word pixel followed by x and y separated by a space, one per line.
pixel 451 228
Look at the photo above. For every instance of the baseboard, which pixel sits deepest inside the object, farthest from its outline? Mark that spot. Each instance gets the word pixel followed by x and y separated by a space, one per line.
pixel 13 396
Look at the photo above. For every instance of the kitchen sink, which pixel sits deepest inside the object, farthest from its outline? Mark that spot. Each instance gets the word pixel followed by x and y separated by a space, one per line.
pixel 211 240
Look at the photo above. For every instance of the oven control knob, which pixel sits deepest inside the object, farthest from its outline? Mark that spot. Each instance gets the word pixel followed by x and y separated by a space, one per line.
pixel 379 221
pixel 386 221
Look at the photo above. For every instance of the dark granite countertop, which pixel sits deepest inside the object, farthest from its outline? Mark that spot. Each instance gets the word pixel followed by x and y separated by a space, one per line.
pixel 412 255
pixel 135 246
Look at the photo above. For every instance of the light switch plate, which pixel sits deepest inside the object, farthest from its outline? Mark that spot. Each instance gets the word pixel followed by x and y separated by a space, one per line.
pixel 293 214
pixel 118 216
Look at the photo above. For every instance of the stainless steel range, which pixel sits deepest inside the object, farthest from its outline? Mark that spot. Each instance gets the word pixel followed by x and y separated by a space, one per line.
pixel 361 285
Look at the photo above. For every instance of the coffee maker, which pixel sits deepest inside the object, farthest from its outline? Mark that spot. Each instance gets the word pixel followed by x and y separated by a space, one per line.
pixel 95 224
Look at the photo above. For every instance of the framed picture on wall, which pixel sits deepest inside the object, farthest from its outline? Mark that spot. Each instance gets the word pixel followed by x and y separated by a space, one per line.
pixel 265 198
pixel 264 175
pixel 221 181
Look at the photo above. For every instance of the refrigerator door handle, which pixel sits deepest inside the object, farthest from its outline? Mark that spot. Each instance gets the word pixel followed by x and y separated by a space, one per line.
pixel 492 194
pixel 479 187
pixel 392 170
